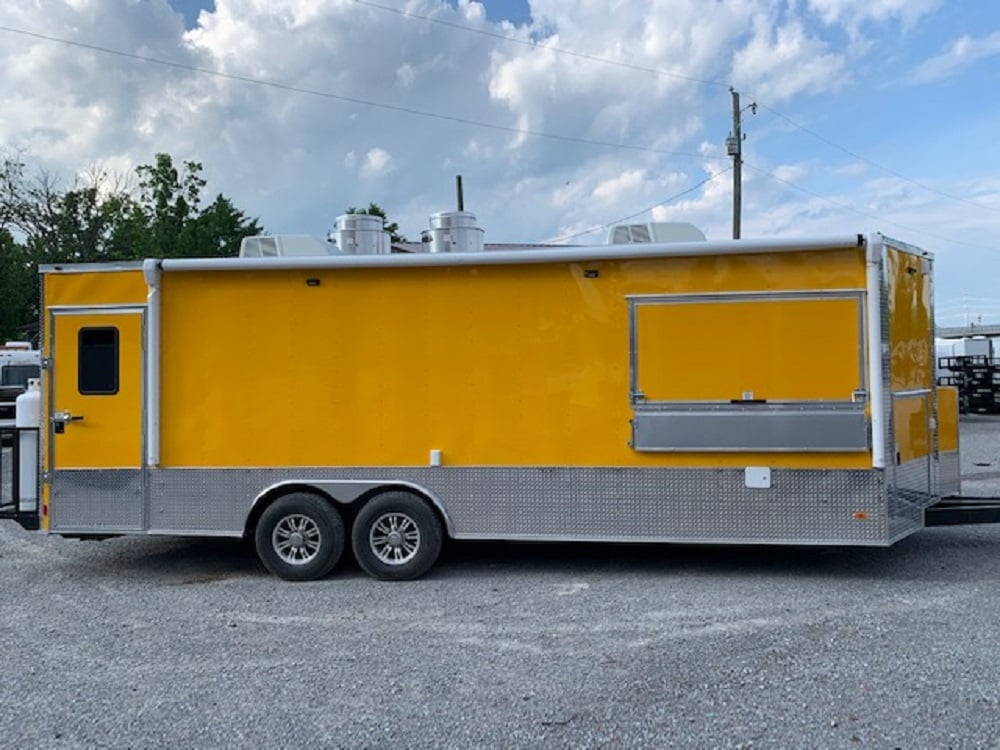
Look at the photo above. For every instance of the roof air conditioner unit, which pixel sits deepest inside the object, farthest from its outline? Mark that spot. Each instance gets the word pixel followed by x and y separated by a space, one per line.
pixel 654 231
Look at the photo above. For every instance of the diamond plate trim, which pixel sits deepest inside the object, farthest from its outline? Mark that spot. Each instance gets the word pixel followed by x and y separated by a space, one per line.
pixel 558 503
pixel 97 501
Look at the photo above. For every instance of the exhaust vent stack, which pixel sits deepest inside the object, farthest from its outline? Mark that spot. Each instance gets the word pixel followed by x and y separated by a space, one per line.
pixel 453 232
pixel 360 234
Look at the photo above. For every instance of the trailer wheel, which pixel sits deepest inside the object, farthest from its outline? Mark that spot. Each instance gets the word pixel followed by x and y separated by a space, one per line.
pixel 397 537
pixel 300 537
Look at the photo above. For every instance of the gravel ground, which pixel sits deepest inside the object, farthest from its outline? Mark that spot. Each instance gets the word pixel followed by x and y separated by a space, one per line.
pixel 186 643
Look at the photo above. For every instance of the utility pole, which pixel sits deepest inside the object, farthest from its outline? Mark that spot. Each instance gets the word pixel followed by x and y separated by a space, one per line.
pixel 734 147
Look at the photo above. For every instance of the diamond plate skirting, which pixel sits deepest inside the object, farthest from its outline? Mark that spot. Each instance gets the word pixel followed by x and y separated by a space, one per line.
pixel 539 503
pixel 104 501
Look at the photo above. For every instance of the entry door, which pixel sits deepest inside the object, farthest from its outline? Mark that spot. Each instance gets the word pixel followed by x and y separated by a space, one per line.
pixel 96 418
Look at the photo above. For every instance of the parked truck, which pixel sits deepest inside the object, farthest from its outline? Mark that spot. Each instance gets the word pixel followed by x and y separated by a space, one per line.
pixel 727 392
pixel 19 362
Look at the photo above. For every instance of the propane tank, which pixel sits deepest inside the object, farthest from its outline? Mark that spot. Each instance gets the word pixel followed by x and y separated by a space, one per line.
pixel 28 413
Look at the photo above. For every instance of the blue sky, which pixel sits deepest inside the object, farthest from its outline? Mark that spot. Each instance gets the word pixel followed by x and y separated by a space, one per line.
pixel 515 11
pixel 876 115
pixel 190 9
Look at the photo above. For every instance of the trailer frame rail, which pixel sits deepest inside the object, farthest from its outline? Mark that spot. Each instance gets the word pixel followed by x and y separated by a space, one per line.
pixel 959 510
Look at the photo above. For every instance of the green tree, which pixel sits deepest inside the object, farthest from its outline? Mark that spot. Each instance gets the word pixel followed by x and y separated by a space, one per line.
pixel 18 288
pixel 104 217
pixel 376 210
pixel 166 221
pixel 168 201
pixel 219 229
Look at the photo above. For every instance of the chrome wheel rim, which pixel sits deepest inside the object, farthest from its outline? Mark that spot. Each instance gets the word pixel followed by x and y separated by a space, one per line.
pixel 296 539
pixel 394 538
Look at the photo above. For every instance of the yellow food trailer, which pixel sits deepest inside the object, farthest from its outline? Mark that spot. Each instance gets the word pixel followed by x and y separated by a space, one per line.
pixel 747 392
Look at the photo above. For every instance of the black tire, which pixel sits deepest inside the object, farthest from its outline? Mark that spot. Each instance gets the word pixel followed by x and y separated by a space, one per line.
pixel 300 537
pixel 396 537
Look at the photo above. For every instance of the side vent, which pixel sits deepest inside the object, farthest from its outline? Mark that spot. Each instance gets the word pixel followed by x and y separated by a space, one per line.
pixel 282 246
pixel 654 231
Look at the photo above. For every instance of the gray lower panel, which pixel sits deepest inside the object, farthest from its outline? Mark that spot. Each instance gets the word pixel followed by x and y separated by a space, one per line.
pixel 909 495
pixel 750 429
pixel 101 500
pixel 949 474
pixel 558 503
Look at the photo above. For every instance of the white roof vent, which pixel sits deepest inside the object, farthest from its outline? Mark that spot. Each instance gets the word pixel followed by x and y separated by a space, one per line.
pixel 654 231
pixel 361 234
pixel 453 232
pixel 282 246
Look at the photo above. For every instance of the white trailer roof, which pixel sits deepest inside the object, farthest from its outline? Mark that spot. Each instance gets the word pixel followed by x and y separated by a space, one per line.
pixel 536 254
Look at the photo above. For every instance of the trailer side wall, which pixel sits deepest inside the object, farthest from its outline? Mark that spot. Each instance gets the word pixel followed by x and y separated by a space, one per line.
pixel 500 365
pixel 913 475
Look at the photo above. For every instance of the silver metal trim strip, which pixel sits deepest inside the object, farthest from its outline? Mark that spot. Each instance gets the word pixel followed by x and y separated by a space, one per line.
pixel 906 247
pixel 633 356
pixel 912 393
pixel 151 272
pixel 362 486
pixel 128 265
pixel 750 430
pixel 638 399
pixel 776 407
pixel 537 254
pixel 67 311
pixel 95 309
pixel 876 348
pixel 700 297
pixel 721 541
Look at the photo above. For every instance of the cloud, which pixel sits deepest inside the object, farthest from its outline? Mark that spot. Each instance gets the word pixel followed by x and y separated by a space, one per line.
pixel 378 162
pixel 308 139
pixel 854 169
pixel 790 172
pixel 406 74
pixel 780 62
pixel 613 189
pixel 963 52
pixel 854 13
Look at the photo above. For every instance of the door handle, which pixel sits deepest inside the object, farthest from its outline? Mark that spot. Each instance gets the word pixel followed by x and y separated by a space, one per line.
pixel 60 418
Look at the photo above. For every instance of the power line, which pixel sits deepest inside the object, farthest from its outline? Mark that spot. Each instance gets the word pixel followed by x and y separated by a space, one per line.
pixel 353 100
pixel 537 45
pixel 664 202
pixel 669 74
pixel 523 131
pixel 873 217
pixel 875 164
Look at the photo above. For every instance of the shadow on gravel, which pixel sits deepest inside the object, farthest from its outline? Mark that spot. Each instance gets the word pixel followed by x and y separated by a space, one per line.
pixel 170 561
pixel 932 555
pixel 941 555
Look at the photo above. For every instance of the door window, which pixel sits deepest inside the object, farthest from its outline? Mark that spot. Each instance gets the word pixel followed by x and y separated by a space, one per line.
pixel 97 372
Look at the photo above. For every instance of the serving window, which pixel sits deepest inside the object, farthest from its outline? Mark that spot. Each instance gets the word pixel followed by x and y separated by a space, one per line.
pixel 777 371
